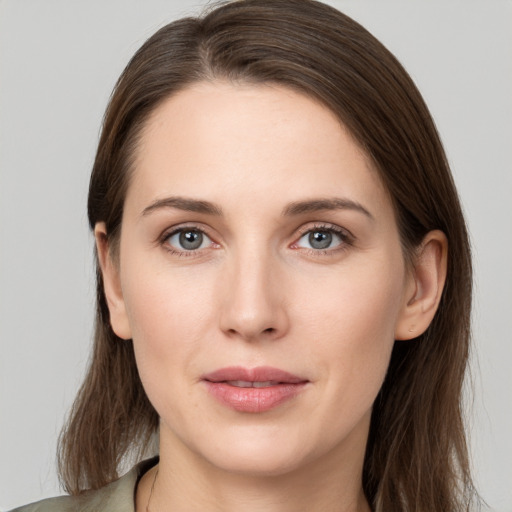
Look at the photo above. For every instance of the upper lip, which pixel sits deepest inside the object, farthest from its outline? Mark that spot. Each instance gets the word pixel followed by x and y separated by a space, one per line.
pixel 258 374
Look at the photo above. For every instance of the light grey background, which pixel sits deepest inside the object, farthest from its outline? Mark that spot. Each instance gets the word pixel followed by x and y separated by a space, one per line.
pixel 59 60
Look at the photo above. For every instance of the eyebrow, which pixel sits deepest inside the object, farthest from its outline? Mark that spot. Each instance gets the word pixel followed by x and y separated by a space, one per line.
pixel 316 205
pixel 292 209
pixel 185 204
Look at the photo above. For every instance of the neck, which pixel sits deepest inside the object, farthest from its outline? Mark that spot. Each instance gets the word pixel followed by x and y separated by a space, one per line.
pixel 186 482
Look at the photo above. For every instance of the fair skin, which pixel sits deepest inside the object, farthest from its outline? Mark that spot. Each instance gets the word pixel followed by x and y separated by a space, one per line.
pixel 295 263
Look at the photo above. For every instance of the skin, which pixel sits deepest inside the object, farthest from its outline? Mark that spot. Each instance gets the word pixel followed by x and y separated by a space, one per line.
pixel 258 293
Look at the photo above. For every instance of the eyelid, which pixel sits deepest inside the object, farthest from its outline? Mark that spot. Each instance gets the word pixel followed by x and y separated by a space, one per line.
pixel 347 238
pixel 324 226
pixel 169 232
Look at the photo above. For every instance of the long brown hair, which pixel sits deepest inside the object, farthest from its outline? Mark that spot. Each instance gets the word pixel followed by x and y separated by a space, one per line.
pixel 416 457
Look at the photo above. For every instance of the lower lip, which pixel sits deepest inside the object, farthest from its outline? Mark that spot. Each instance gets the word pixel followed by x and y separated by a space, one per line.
pixel 254 399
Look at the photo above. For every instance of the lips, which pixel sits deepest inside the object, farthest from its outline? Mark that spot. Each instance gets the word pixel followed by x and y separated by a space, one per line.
pixel 253 390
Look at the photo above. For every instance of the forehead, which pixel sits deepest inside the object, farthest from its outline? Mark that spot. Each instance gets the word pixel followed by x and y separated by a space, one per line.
pixel 218 138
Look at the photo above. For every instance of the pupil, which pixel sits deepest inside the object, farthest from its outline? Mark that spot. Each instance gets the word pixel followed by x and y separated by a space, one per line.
pixel 191 240
pixel 320 239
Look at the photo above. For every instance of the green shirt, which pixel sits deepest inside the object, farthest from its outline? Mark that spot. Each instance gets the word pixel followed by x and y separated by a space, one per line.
pixel 118 496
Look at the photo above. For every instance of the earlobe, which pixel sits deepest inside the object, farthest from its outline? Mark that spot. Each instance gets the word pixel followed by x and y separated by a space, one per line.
pixel 111 283
pixel 424 287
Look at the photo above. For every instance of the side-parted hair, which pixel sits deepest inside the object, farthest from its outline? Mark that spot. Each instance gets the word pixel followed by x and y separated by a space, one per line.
pixel 416 458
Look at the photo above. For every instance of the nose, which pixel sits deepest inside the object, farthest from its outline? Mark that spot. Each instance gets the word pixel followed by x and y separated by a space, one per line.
pixel 253 298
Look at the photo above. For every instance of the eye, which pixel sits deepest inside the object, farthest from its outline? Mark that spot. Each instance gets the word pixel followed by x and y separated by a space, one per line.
pixel 322 238
pixel 188 239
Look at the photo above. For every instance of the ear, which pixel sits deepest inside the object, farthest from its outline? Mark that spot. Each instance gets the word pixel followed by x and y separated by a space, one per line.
pixel 111 283
pixel 424 287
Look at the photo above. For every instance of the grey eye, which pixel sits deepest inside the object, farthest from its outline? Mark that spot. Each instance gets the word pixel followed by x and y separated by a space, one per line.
pixel 320 239
pixel 188 240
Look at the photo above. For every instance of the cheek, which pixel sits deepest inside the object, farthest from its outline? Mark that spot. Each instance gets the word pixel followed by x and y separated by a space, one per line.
pixel 360 302
pixel 162 300
pixel 169 316
pixel 352 322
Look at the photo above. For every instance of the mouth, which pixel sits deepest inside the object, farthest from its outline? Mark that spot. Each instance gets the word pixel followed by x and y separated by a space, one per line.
pixel 253 390
pixel 249 384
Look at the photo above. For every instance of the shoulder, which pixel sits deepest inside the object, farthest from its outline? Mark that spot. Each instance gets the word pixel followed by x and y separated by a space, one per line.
pixel 61 503
pixel 117 496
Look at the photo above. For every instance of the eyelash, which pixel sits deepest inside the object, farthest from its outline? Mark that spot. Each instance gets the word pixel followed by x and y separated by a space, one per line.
pixel 186 254
pixel 347 240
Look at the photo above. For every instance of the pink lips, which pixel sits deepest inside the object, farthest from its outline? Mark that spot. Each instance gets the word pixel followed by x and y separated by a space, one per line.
pixel 253 390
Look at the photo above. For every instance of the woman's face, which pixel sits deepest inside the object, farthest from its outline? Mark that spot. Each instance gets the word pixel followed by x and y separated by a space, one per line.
pixel 261 278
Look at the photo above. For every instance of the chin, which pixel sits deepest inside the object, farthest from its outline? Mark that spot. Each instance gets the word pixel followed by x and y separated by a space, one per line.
pixel 258 454
pixel 260 464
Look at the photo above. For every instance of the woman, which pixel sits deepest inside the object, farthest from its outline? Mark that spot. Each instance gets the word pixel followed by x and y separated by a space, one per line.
pixel 284 278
